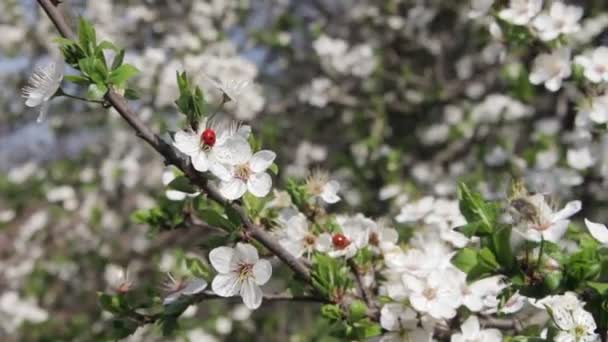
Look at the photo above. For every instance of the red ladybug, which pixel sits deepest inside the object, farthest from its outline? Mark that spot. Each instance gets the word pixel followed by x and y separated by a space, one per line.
pixel 340 241
pixel 208 137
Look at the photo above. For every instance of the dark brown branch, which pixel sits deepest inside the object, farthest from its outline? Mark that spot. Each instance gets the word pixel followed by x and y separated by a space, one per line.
pixel 174 157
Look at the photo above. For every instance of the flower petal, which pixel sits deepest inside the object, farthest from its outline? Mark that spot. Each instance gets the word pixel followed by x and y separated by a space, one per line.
pixel 598 231
pixel 259 184
pixel 234 151
pixel 226 285
pixel 262 270
pixel 246 253
pixel 262 160
pixel 194 286
pixel 233 189
pixel 570 209
pixel 220 171
pixel 187 142
pixel 200 161
pixel 251 293
pixel 220 258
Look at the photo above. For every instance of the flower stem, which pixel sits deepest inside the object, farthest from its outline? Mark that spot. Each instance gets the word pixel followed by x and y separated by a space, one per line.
pixel 540 252
pixel 60 92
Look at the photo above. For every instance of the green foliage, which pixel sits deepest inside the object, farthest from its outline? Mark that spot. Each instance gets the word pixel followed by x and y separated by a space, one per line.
pixel 87 56
pixel 166 215
pixel 330 276
pixel 481 215
pixel 191 101
pixel 353 324
pixel 182 183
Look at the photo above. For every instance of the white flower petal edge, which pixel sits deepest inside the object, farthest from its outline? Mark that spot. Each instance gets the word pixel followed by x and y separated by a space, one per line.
pixel 598 231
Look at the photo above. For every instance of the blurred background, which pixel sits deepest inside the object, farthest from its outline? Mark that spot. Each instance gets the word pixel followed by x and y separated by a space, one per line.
pixel 395 99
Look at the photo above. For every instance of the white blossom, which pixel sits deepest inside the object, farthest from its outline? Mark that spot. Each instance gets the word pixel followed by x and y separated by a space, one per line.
pixel 247 175
pixel 546 223
pixel 176 288
pixel 471 331
pixel 240 271
pixel 319 185
pixel 551 69
pixel 353 236
pixel 560 19
pixel 297 238
pixel 216 141
pixel 436 294
pixel 520 12
pixel 42 85
pixel 595 64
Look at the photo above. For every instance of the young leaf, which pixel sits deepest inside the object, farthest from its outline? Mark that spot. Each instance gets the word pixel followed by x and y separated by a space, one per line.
pixel 122 74
pixel 87 37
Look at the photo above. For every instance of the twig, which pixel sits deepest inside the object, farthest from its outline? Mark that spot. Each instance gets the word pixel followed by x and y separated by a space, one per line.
pixel 174 157
pixel 364 291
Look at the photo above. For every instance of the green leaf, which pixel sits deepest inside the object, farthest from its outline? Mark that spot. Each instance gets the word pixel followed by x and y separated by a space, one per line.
pixel 197 268
pixel 274 168
pixel 96 91
pixel 131 94
pixel 233 216
pixel 122 74
pixel 87 37
pixel 106 45
pixel 475 209
pixel 331 312
pixel 182 183
pixel 488 259
pixel 465 259
pixel 94 68
pixel 501 246
pixel 115 304
pixel 357 311
pixel 118 59
pixel 77 79
pixel 601 288
pixel 215 219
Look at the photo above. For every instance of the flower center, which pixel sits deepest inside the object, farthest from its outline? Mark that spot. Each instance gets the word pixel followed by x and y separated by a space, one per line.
pixel 310 240
pixel 340 241
pixel 208 137
pixel 243 172
pixel 430 293
pixel 374 239
pixel 245 270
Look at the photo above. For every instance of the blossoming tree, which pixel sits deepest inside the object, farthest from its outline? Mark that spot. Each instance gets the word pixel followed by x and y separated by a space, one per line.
pixel 473 249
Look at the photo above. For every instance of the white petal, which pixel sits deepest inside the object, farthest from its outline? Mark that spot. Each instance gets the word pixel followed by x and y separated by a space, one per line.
pixel 234 151
pixel 187 142
pixel 262 270
pixel 330 190
pixel 194 286
pixel 259 184
pixel 252 294
pixel 323 243
pixel 200 161
pixel 220 258
pixel 262 160
pixel 233 189
pixel 470 327
pixel 220 171
pixel 598 231
pixel 246 253
pixel 44 108
pixel 556 231
pixel 226 285
pixel 171 298
pixel 570 209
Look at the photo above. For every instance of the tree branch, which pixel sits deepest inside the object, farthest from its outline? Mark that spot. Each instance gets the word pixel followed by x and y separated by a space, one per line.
pixel 174 157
